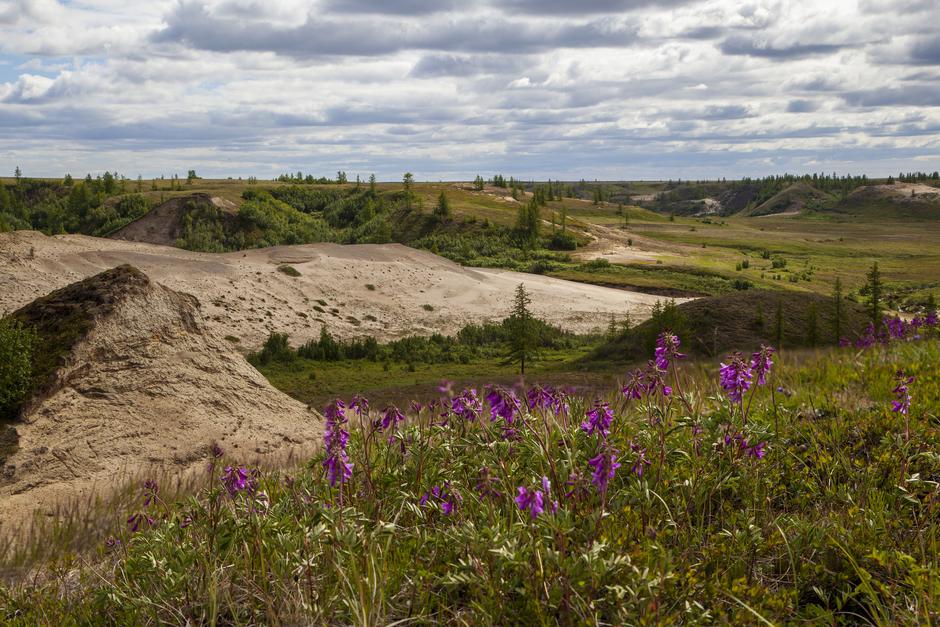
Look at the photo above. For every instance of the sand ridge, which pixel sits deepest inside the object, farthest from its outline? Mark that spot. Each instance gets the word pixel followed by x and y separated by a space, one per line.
pixel 244 296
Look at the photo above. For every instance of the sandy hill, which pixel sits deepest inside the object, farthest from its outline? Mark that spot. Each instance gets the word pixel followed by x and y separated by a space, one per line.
pixel 131 376
pixel 378 290
pixel 791 201
pixel 913 201
pixel 164 223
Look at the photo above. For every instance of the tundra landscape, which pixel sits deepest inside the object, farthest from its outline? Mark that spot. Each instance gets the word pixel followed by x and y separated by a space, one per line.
pixel 376 317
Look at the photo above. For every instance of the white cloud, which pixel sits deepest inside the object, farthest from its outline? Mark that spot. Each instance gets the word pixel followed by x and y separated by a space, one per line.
pixel 686 88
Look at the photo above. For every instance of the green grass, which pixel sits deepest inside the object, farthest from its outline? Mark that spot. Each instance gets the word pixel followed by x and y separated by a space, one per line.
pixel 834 525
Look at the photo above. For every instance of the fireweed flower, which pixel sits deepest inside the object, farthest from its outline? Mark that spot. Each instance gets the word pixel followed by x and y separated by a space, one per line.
pixel 533 499
pixel 237 480
pixel 761 363
pixel 736 377
pixel 656 380
pixel 467 405
pixel 641 463
pixel 902 404
pixel 599 419
pixel 359 404
pixel 604 466
pixel 337 465
pixel 667 349
pixel 503 404
pixel 391 417
pixel 443 497
pixel 150 492
pixel 636 385
pixel 486 483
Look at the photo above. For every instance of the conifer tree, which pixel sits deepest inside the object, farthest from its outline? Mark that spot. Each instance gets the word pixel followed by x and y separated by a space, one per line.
pixel 874 288
pixel 523 339
pixel 442 210
pixel 837 309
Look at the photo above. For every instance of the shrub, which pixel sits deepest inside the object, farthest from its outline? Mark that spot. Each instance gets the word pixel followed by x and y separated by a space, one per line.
pixel 16 365
pixel 563 241
pixel 289 270
pixel 276 348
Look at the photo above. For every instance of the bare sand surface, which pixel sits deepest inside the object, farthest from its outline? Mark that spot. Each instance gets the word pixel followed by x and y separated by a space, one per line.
pixel 150 386
pixel 386 291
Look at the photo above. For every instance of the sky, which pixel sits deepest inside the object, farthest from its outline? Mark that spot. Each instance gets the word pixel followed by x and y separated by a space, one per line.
pixel 447 89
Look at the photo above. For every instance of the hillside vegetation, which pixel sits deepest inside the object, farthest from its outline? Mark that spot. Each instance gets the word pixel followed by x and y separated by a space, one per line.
pixel 774 490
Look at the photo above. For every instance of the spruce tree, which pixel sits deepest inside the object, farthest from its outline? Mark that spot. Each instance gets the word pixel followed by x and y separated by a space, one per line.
pixel 523 338
pixel 874 288
pixel 778 330
pixel 442 210
pixel 837 309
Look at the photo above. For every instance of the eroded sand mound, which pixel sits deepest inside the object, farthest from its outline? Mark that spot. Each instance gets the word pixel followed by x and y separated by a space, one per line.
pixel 145 382
pixel 164 223
pixel 386 291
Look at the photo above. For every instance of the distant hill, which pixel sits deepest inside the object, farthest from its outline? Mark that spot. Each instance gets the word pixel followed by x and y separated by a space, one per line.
pixel 791 201
pixel 913 201
pixel 165 224
pixel 740 321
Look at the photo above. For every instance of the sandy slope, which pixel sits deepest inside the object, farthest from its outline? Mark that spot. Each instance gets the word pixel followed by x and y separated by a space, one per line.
pixel 151 384
pixel 244 295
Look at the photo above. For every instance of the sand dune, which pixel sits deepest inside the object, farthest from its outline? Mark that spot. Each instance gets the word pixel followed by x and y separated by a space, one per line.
pixel 244 295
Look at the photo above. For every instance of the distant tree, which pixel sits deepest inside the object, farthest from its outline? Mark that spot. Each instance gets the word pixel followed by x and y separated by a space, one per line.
pixel 190 177
pixel 442 210
pixel 479 183
pixel 837 309
pixel 153 185
pixel 528 221
pixel 341 177
pixel 67 181
pixel 523 336
pixel 372 183
pixel 407 181
pixel 778 327
pixel 812 326
pixel 17 174
pixel 874 287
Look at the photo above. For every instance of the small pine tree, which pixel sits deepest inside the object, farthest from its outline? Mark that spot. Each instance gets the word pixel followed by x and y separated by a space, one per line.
pixel 372 183
pixel 522 347
pixel 837 309
pixel 442 210
pixel 812 326
pixel 17 174
pixel 874 287
pixel 778 329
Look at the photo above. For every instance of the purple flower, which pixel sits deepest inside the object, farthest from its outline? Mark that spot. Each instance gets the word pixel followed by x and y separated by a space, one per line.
pixel 656 380
pixel 599 418
pixel 757 451
pixel 897 328
pixel 486 484
pixel 338 468
pixel 531 500
pixel 359 404
pixel 445 386
pixel 736 377
pixel 136 520
pixel 236 480
pixel 150 492
pixel 604 466
pixel 761 363
pixel 443 496
pixel 641 463
pixel 844 342
pixel 636 385
pixel 578 486
pixel 335 438
pixel 902 405
pixel 467 405
pixel 503 404
pixel 930 319
pixel 391 417
pixel 667 349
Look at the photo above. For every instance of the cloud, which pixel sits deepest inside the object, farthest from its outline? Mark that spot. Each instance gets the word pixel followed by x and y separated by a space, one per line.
pixel 615 88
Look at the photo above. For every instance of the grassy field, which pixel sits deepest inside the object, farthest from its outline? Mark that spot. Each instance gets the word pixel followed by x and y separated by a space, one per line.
pixel 809 500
